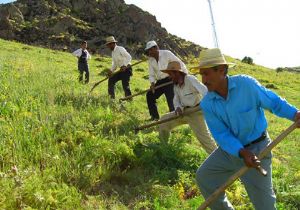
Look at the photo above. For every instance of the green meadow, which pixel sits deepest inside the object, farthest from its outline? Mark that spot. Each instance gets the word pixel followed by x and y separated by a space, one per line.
pixel 62 147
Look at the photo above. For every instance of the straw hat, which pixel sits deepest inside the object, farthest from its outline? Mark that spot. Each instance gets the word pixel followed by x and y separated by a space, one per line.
pixel 150 44
pixel 110 39
pixel 173 66
pixel 210 58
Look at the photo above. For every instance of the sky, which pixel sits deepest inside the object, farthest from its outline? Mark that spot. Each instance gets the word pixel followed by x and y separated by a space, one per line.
pixel 266 30
pixel 5 1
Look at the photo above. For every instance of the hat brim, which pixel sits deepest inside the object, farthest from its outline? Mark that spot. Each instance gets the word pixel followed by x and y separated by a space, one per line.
pixel 110 42
pixel 171 70
pixel 148 48
pixel 196 69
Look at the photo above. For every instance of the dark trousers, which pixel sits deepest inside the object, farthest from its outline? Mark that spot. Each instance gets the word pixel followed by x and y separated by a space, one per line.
pixel 83 67
pixel 152 97
pixel 125 77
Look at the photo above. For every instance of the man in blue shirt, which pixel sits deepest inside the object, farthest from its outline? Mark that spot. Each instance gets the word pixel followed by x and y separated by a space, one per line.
pixel 233 110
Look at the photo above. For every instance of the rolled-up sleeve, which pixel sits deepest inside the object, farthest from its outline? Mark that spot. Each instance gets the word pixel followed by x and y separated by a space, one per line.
pixel 126 56
pixel 88 55
pixel 176 100
pixel 152 77
pixel 77 53
pixel 113 65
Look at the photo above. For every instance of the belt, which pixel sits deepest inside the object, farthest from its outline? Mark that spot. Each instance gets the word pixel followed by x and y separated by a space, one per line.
pixel 259 139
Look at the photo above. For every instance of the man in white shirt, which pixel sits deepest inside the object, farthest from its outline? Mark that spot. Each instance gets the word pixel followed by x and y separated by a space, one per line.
pixel 188 92
pixel 83 55
pixel 121 68
pixel 158 60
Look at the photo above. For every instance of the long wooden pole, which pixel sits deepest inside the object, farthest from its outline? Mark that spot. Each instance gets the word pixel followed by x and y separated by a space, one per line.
pixel 244 169
pixel 145 91
pixel 106 78
pixel 192 110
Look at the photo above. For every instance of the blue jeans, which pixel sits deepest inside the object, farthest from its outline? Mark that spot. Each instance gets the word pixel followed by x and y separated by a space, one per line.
pixel 220 165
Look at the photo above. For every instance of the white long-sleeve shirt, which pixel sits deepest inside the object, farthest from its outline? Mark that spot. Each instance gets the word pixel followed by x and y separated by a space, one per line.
pixel 190 93
pixel 165 56
pixel 78 53
pixel 120 57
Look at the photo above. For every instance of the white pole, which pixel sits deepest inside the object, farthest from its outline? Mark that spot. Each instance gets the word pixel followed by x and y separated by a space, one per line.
pixel 213 25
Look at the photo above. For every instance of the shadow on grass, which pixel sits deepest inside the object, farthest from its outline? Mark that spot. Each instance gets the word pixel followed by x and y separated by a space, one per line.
pixel 139 70
pixel 103 73
pixel 156 164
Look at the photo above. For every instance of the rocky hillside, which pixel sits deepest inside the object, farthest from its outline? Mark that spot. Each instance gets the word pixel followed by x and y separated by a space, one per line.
pixel 62 24
pixel 290 69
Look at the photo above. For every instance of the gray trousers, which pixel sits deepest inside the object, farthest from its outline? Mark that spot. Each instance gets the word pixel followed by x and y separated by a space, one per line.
pixel 220 165
pixel 196 122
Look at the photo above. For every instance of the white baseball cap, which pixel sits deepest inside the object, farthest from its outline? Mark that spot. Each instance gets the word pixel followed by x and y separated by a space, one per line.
pixel 150 44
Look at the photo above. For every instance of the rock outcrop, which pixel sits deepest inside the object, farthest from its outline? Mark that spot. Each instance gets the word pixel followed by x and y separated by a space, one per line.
pixel 62 24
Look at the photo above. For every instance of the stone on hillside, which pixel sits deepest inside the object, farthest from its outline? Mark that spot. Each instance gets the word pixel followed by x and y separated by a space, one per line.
pixel 15 14
pixel 6 29
pixel 62 24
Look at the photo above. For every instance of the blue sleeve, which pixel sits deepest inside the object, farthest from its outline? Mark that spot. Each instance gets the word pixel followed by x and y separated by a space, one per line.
pixel 221 133
pixel 272 102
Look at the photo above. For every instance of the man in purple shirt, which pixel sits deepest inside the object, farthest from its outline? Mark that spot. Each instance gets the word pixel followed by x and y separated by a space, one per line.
pixel 233 110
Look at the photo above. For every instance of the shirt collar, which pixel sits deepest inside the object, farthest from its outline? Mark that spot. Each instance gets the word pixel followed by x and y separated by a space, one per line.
pixel 152 59
pixel 184 82
pixel 231 85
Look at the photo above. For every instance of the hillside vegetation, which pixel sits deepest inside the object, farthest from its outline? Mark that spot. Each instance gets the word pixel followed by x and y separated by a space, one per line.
pixel 63 148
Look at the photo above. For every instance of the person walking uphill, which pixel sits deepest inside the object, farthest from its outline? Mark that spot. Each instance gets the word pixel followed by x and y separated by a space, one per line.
pixel 158 60
pixel 120 60
pixel 83 56
pixel 188 92
pixel 233 109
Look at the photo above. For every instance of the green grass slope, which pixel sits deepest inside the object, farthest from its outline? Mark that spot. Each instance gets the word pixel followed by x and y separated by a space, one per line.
pixel 63 148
